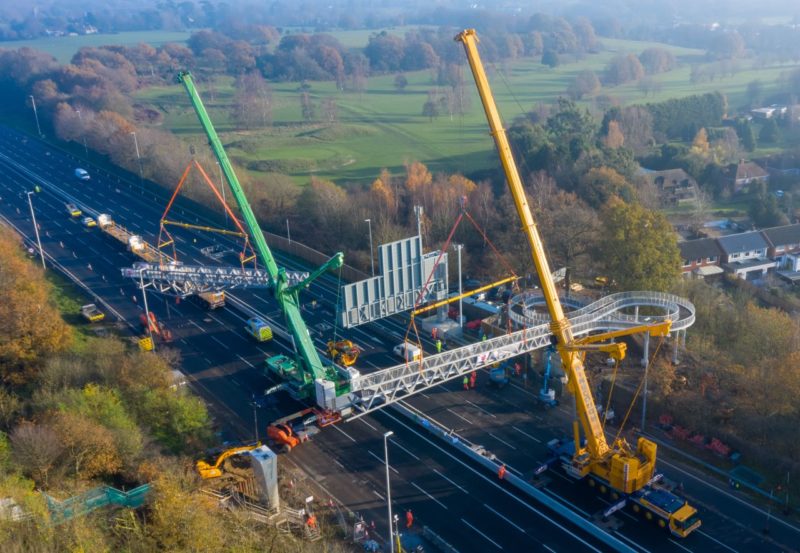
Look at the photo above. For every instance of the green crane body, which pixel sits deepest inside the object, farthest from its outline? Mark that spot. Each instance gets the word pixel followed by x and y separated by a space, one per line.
pixel 310 363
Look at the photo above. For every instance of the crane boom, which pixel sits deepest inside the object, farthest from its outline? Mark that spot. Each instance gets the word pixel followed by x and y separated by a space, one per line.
pixel 284 292
pixel 573 365
pixel 617 468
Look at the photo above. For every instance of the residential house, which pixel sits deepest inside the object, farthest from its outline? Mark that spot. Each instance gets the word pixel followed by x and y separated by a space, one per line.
pixel 744 173
pixel 675 186
pixel 701 258
pixel 745 254
pixel 768 112
pixel 784 244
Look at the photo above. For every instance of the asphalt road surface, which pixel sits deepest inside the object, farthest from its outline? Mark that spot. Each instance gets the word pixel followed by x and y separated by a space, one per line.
pixel 464 504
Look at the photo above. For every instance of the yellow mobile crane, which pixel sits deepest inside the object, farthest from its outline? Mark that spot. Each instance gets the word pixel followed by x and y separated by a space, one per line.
pixel 616 468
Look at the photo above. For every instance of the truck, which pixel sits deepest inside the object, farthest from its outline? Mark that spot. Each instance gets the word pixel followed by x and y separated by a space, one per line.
pixel 73 210
pixel 91 313
pixel 408 351
pixel 290 431
pixel 258 329
pixel 212 300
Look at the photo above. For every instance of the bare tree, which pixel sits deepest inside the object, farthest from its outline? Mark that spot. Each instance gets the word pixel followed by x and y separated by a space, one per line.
pixel 36 449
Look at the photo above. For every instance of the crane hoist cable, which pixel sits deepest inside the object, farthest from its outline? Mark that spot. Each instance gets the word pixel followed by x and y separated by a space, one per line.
pixel 636 395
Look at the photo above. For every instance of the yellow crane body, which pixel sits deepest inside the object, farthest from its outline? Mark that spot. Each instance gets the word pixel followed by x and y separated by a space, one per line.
pixel 627 471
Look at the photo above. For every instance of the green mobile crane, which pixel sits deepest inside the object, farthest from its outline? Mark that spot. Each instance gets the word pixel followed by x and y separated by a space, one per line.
pixel 300 374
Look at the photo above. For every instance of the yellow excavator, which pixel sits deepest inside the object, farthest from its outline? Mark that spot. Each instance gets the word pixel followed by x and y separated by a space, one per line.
pixel 343 352
pixel 207 471
pixel 625 474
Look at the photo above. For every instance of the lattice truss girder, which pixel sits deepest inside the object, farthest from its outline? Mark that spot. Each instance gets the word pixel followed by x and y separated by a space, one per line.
pixel 381 388
pixel 185 280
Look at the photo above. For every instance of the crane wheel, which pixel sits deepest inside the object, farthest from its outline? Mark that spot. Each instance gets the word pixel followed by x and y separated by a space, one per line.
pixel 592 483
pixel 637 509
pixel 648 515
pixel 603 489
pixel 662 523
pixel 614 496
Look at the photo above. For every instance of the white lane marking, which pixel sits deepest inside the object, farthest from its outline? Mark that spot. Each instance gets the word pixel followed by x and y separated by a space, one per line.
pixel 481 408
pixel 487 538
pixel 197 325
pixel 492 482
pixel 206 360
pixel 720 490
pixel 505 518
pixel 459 416
pixel 379 495
pixel 220 342
pixel 502 441
pixel 345 433
pixel 712 538
pixel 548 547
pixel 430 496
pixel 368 424
pixel 632 543
pixel 383 462
pixel 423 394
pixel 453 483
pixel 681 546
pixel 537 440
pixel 246 361
pixel 404 449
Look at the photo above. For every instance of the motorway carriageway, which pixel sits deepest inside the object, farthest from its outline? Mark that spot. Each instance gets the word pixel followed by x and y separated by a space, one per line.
pixel 224 363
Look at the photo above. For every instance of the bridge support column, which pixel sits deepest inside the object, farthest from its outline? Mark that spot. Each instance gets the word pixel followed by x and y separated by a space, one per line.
pixel 646 349
pixel 636 313
pixel 675 341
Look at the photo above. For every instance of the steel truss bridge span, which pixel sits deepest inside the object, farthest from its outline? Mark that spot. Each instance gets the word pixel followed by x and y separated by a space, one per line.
pixel 376 390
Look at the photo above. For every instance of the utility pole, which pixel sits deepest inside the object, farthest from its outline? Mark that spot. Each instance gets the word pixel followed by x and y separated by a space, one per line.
pixel 35 114
pixel 386 437
pixel 222 186
pixel 288 234
pixel 138 158
pixel 458 248
pixel 371 255
pixel 83 134
pixel 36 229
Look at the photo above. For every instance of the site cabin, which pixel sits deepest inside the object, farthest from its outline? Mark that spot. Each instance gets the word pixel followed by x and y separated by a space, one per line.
pixel 408 351
pixel 258 329
pixel 91 313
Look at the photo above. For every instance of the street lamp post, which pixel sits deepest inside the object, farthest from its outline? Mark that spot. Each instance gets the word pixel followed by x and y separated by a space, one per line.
pixel 138 157
pixel 386 437
pixel 371 256
pixel 83 133
pixel 146 308
pixel 36 229
pixel 458 248
pixel 222 186
pixel 255 416
pixel 35 114
pixel 288 234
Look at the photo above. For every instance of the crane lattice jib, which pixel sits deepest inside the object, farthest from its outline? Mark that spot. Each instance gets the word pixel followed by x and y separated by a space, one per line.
pixel 288 299
pixel 572 361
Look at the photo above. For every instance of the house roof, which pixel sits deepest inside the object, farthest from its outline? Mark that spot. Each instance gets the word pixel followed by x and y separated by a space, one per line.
pixel 670 176
pixel 747 170
pixel 782 236
pixel 742 242
pixel 697 249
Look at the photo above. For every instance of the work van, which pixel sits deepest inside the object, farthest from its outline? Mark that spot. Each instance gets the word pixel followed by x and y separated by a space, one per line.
pixel 408 351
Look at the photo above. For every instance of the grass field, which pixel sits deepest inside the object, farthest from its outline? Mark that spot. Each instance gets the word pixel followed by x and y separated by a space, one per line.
pixel 64 47
pixel 385 128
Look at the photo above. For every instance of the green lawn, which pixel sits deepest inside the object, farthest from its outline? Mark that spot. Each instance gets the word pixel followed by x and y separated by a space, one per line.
pixel 64 47
pixel 385 128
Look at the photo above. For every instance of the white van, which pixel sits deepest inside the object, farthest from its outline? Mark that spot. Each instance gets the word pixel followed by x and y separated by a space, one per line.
pixel 82 174
pixel 408 351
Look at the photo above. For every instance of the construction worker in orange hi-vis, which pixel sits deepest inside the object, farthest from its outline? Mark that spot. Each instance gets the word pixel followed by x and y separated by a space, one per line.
pixel 312 521
pixel 473 377
pixel 409 518
pixel 501 472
